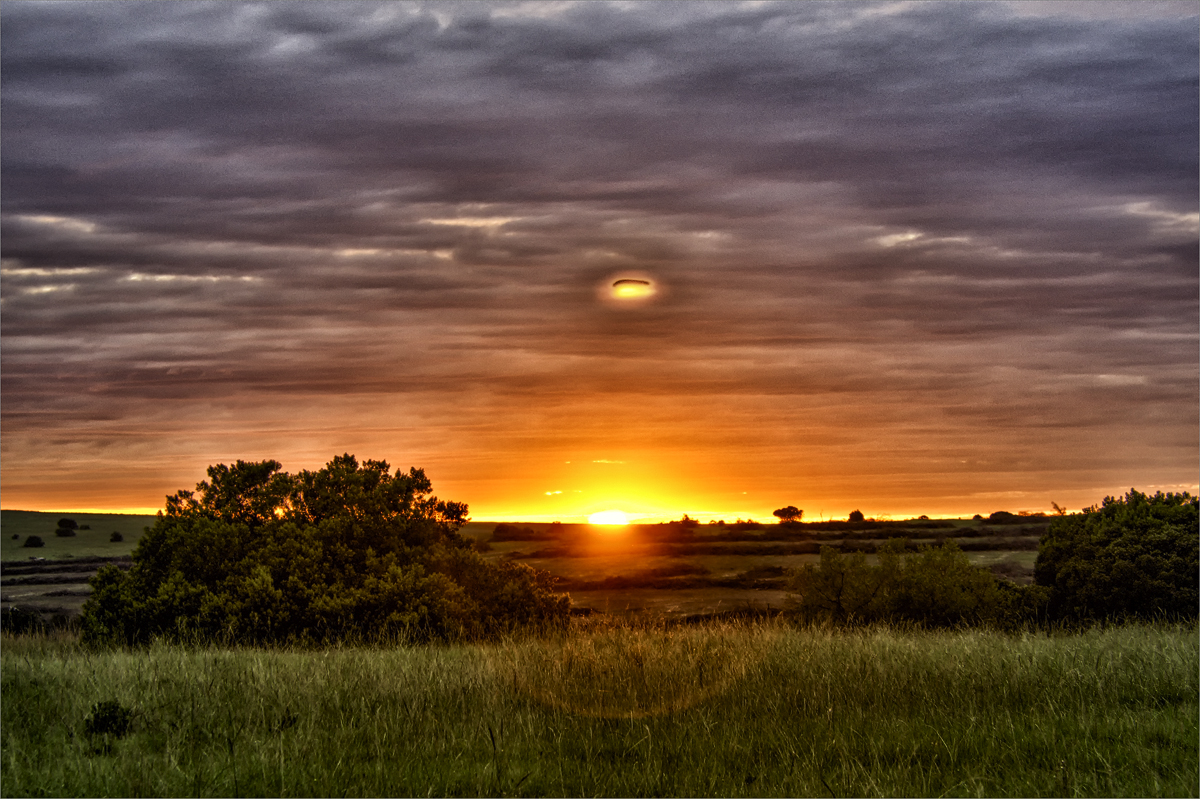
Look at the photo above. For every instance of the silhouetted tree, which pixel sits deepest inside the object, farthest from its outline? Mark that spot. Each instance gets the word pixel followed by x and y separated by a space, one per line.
pixel 856 516
pixel 789 514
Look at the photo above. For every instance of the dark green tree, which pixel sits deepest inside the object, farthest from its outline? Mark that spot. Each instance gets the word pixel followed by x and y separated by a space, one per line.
pixel 348 552
pixel 1133 557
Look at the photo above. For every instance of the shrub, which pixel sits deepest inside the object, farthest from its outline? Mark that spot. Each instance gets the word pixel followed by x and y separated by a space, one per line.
pixel 1136 557
pixel 108 718
pixel 350 552
pixel 935 587
pixel 856 516
pixel 116 537
pixel 16 536
pixel 34 541
pixel 512 532
pixel 65 532
pixel 17 620
pixel 67 524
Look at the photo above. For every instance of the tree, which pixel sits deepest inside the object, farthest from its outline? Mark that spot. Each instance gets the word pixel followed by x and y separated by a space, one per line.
pixel 856 516
pixel 789 514
pixel 68 524
pixel 348 552
pixel 1136 557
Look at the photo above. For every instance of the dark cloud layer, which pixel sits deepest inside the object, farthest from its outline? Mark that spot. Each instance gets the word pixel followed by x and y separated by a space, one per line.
pixel 932 252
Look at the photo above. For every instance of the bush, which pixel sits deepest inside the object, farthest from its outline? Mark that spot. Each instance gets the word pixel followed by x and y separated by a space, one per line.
pixel 67 524
pixel 116 537
pixel 108 718
pixel 16 536
pixel 935 587
pixel 34 541
pixel 65 532
pixel 855 516
pixel 512 532
pixel 1136 557
pixel 350 552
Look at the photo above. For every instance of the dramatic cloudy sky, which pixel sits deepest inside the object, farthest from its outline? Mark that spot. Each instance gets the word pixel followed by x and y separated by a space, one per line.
pixel 910 258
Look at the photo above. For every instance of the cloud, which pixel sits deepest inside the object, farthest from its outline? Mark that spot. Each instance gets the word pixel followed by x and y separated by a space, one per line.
pixel 984 212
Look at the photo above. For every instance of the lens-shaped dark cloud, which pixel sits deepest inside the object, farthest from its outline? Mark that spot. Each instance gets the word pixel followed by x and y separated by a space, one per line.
pixel 944 250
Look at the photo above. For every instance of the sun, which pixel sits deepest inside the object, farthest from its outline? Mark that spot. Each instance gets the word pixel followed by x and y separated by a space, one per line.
pixel 632 289
pixel 608 517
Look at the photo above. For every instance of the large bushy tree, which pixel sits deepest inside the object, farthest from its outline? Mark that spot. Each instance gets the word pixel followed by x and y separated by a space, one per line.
pixel 1133 557
pixel 349 552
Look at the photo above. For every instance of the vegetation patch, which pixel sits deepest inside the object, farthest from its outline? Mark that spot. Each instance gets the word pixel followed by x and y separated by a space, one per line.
pixel 349 552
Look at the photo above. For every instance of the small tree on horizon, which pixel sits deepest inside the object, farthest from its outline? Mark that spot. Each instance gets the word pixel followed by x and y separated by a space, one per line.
pixel 856 516
pixel 789 514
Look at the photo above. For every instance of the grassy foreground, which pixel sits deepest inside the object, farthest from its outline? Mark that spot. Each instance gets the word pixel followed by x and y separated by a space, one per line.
pixel 723 710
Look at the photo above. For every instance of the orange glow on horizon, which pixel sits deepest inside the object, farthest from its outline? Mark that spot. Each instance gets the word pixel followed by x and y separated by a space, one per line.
pixel 609 518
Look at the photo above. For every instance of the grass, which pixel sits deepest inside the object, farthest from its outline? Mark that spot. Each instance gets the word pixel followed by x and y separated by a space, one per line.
pixel 85 543
pixel 758 709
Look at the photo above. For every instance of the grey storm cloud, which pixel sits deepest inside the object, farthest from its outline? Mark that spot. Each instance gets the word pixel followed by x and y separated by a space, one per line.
pixel 936 202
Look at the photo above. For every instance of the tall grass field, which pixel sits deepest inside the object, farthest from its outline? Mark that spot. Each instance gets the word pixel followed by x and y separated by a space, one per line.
pixel 762 709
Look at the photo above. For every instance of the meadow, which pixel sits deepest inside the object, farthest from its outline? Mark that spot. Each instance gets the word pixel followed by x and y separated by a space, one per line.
pixel 717 709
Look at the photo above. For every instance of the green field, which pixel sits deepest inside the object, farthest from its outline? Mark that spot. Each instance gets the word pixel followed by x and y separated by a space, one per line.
pixel 715 710
pixel 93 542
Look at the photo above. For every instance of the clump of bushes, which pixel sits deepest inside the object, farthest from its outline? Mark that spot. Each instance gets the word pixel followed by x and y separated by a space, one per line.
pixel 1132 557
pixel 349 552
pixel 1135 557
pixel 65 532
pixel 116 537
pixel 512 532
pixel 34 541
pixel 935 587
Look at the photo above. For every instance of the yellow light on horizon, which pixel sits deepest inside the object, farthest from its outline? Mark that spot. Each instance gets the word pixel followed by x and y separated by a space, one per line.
pixel 611 517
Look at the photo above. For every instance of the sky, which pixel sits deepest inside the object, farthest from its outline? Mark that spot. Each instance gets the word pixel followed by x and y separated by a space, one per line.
pixel 906 258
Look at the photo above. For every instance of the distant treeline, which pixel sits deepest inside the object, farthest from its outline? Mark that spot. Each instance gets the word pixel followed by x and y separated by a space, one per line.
pixel 1027 544
pixel 713 539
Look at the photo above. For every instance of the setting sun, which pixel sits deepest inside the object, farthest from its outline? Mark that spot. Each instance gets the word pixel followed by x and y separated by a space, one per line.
pixel 608 517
